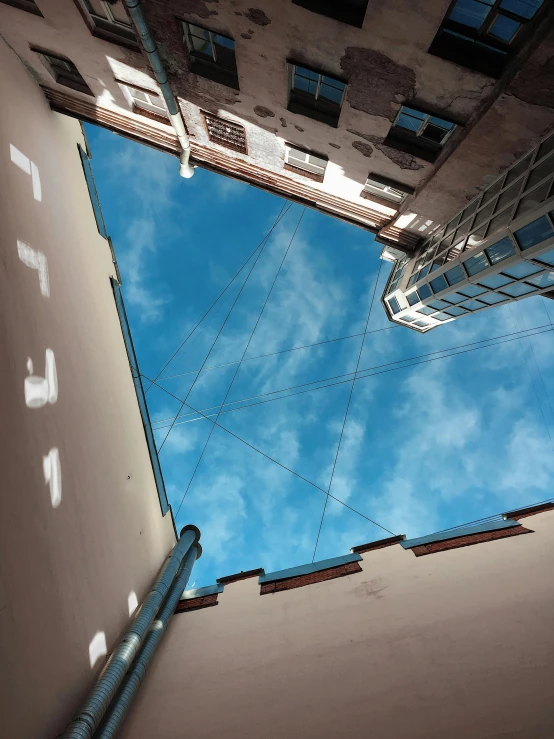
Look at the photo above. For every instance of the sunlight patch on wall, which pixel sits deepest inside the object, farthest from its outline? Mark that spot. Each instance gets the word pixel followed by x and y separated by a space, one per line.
pixel 29 167
pixel 132 602
pixel 53 475
pixel 97 647
pixel 35 259
pixel 42 390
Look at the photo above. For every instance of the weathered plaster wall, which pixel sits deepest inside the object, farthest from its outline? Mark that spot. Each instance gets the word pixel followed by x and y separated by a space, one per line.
pixel 66 572
pixel 455 644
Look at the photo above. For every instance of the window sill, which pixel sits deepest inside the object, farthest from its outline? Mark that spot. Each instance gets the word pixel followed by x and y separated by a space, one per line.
pixel 394 204
pixel 413 148
pixel 115 38
pixel 314 114
pixel 73 85
pixel 158 117
pixel 215 74
pixel 303 173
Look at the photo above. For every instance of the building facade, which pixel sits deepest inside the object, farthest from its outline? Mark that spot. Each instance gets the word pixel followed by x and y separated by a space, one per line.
pixel 498 249
pixel 391 116
pixel 84 527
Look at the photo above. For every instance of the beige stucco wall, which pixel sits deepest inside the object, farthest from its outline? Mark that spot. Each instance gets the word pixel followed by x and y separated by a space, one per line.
pixel 66 572
pixel 454 644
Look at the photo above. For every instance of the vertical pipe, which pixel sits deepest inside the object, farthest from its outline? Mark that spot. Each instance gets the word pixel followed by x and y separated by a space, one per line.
pixel 98 700
pixel 118 711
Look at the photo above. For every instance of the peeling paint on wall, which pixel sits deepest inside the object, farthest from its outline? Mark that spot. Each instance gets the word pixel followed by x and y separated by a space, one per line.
pixel 257 16
pixel 335 146
pixel 374 79
pixel 197 7
pixel 363 148
pixel 283 122
pixel 264 112
pixel 403 160
pixel 298 128
pixel 535 83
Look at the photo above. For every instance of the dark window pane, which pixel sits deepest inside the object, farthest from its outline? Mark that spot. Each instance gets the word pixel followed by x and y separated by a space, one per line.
pixel 546 279
pixel 454 222
pixel 474 305
pixel 504 28
pixel 307 73
pixel 408 122
pixel 476 264
pixel 518 289
pixel 501 220
pixel 523 8
pixel 393 302
pixel 471 208
pixel 541 171
pixel 454 275
pixel 434 133
pixel 517 170
pixel 470 13
pixel 494 281
pixel 533 199
pixel 485 213
pixel 509 194
pixel 439 304
pixel 424 271
pixel 493 298
pixel 224 41
pixel 493 190
pixel 501 250
pixel 438 284
pixel 330 93
pixel 413 279
pixel 471 290
pixel 534 233
pixel 523 269
pixel 424 291
pixel 413 298
pixel 546 147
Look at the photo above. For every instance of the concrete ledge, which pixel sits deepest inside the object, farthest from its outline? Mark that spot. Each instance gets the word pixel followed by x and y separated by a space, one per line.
pixel 459 532
pixel 530 510
pixel 240 576
pixel 308 569
pixel 290 583
pixel 379 544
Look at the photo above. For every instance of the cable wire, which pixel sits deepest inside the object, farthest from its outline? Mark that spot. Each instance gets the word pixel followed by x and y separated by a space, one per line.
pixel 285 207
pixel 260 252
pixel 279 464
pixel 493 339
pixel 240 362
pixel 281 351
pixel 347 410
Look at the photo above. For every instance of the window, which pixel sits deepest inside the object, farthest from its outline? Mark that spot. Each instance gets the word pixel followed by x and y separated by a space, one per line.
pixel 421 323
pixel 419 133
pixel 438 284
pixel 346 11
pixel 454 275
pixel 226 133
pixel 315 95
pixel 29 5
pixel 482 34
pixel 474 305
pixel 93 193
pixel 534 233
pixel 63 71
pixel 546 279
pixel 109 20
pixel 412 298
pixel 494 281
pixel 424 291
pixel 522 269
pixel 212 55
pixel 476 264
pixel 385 191
pixel 501 250
pixel 394 306
pixel 493 298
pixel 147 102
pixel 312 166
pixel 472 290
pixel 518 289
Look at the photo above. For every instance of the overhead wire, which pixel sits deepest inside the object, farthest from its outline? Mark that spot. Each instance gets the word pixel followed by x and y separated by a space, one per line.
pixel 260 252
pixel 347 410
pixel 243 355
pixel 279 464
pixel 285 207
pixel 281 351
pixel 493 341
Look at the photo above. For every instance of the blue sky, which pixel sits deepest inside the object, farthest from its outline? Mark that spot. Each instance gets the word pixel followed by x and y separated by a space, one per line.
pixel 425 448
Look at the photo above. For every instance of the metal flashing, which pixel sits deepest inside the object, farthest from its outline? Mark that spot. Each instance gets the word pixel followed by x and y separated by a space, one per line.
pixel 325 564
pixel 461 531
pixel 201 592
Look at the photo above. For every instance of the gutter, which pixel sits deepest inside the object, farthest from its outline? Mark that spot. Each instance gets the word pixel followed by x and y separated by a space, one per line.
pixel 149 45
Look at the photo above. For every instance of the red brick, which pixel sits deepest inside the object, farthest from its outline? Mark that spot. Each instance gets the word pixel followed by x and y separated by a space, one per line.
pixel 467 541
pixel 301 580
pixel 380 544
pixel 194 604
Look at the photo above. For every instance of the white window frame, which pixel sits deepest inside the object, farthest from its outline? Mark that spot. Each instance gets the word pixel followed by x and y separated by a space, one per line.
pixel 149 105
pixel 393 194
pixel 421 130
pixel 299 159
pixel 109 17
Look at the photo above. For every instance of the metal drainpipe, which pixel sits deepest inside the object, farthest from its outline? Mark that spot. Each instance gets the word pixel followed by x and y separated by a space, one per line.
pixel 98 700
pixel 120 707
pixel 141 27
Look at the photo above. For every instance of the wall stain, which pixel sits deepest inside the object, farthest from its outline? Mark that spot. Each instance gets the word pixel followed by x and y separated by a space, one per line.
pixel 363 148
pixel 374 80
pixel 246 35
pixel 257 16
pixel 535 83
pixel 264 112
pixel 400 158
pixel 298 128
pixel 283 122
pixel 372 588
pixel 197 7
pixel 335 146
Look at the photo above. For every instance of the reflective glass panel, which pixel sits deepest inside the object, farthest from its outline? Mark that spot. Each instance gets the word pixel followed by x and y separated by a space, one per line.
pixel 438 284
pixel 504 28
pixel 476 264
pixel 474 305
pixel 393 302
pixel 522 269
pixel 426 310
pixel 421 323
pixel 455 298
pixel 517 289
pixel 442 317
pixel 494 281
pixel 546 279
pixel 534 233
pixel 454 275
pixel 546 258
pixel 470 12
pixel 472 290
pixel 456 311
pixel 412 298
pixel 501 250
pixel 438 304
pixel 408 319
pixel 523 8
pixel 492 298
pixel 424 291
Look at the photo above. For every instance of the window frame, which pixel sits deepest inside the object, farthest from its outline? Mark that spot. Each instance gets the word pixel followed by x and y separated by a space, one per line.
pixel 74 79
pixel 299 169
pixel 158 113
pixel 300 102
pixel 329 10
pixel 109 28
pixel 29 6
pixel 413 142
pixel 481 37
pixel 210 69
pixel 382 187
